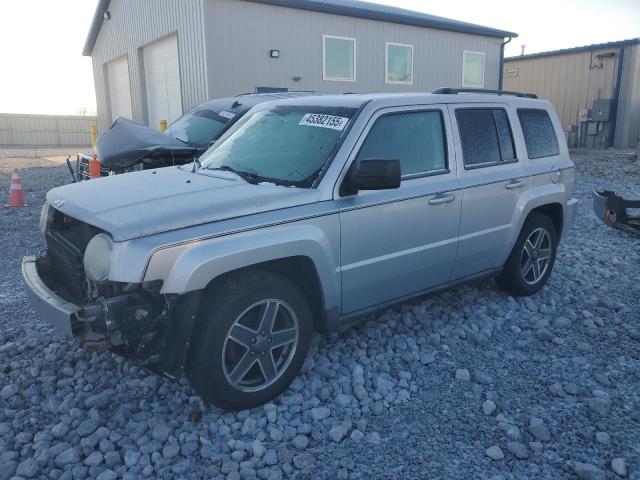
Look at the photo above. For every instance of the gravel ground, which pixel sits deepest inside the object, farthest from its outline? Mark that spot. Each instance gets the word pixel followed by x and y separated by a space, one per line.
pixel 470 383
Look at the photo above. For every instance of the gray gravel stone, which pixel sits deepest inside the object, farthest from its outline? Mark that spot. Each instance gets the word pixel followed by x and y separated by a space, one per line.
pixel 68 456
pixel 303 461
pixel 29 468
pixel 482 377
pixel 463 375
pixel 538 429
pixel 603 437
pixel 585 471
pixel 300 442
pixel 337 433
pixel 600 406
pixel 494 452
pixel 488 407
pixel 618 465
pixel 518 450
pixel 95 458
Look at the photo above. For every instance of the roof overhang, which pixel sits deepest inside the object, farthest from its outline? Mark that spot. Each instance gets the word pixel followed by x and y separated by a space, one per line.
pixel 348 8
pixel 567 51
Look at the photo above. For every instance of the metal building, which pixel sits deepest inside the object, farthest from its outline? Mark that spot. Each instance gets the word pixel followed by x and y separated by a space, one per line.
pixel 155 59
pixel 595 90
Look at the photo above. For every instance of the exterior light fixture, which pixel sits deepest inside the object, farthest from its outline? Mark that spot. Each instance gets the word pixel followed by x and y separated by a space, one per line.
pixel 274 53
pixel 107 15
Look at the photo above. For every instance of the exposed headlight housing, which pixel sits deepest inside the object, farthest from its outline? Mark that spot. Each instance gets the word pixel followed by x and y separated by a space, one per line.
pixel 45 215
pixel 97 257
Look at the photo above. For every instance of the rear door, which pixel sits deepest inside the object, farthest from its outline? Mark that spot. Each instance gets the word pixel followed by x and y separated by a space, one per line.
pixel 396 243
pixel 492 179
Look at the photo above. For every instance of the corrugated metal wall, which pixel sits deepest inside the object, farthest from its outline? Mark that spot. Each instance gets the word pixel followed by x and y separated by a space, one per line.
pixel 572 81
pixel 134 24
pixel 628 129
pixel 240 34
pixel 21 130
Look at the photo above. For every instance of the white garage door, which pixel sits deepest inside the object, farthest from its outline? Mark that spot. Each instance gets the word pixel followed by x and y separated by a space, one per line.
pixel 162 76
pixel 119 88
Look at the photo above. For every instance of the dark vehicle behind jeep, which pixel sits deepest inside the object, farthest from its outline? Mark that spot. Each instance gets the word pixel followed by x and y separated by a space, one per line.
pixel 129 146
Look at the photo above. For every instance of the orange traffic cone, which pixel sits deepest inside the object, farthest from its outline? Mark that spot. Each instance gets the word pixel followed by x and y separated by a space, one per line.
pixel 94 166
pixel 16 194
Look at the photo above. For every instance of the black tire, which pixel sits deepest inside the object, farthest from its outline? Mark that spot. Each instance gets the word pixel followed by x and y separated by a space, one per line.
pixel 512 278
pixel 223 305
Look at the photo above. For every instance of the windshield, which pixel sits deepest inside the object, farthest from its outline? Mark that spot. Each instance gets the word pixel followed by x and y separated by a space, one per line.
pixel 200 126
pixel 283 144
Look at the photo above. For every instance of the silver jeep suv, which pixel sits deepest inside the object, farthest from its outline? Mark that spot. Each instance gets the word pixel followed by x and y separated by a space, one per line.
pixel 306 213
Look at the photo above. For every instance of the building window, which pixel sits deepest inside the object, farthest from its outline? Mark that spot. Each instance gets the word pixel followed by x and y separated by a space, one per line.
pixel 417 139
pixel 399 63
pixel 473 69
pixel 338 58
pixel 485 135
pixel 539 134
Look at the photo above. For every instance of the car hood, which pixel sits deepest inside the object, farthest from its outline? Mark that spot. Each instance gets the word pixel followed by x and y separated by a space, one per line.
pixel 147 202
pixel 128 142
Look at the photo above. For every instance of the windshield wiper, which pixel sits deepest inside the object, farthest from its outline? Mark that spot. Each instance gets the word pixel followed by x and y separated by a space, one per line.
pixel 247 176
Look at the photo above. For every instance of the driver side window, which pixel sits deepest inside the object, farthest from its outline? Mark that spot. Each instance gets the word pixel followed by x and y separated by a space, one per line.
pixel 417 139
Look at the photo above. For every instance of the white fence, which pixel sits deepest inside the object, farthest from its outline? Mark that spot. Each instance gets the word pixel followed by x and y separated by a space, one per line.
pixel 20 130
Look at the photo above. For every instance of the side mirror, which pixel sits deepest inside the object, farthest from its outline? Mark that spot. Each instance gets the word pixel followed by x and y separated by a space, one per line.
pixel 372 175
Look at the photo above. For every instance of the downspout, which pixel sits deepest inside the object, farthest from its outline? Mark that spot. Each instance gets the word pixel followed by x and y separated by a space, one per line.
pixel 501 73
pixel 616 96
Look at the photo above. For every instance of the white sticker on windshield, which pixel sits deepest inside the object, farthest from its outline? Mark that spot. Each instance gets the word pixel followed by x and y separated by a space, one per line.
pixel 325 121
pixel 226 114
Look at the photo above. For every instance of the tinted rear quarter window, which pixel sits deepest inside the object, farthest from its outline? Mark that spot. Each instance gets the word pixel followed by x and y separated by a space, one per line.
pixel 539 134
pixel 485 135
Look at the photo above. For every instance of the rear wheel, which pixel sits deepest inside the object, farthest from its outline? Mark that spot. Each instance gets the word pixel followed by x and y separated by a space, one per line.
pixel 531 261
pixel 250 340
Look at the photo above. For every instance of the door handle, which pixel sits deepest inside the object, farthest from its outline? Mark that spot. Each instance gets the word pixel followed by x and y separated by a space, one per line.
pixel 514 184
pixel 440 199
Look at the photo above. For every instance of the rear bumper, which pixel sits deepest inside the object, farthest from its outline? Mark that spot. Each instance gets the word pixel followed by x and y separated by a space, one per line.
pixel 570 213
pixel 48 304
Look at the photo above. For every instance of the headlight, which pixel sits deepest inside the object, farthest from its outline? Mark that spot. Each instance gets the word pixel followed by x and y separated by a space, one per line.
pixel 97 257
pixel 44 216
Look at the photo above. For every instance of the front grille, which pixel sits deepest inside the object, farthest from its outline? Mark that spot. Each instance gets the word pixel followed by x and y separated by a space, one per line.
pixel 67 239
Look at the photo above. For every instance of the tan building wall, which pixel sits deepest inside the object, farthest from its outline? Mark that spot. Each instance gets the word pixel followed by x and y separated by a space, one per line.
pixel 572 81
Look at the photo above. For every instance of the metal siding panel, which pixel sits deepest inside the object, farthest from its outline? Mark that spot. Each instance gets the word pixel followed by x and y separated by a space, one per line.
pixel 567 81
pixel 136 23
pixel 238 61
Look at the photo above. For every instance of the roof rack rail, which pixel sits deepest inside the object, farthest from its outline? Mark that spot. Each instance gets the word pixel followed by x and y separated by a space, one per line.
pixel 453 91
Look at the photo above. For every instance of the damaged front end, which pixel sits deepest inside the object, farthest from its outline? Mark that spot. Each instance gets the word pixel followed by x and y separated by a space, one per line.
pixel 617 212
pixel 132 319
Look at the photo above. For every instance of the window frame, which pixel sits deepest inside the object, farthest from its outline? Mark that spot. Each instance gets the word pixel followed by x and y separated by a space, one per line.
pixel 524 138
pixel 495 126
pixel 484 65
pixel 327 78
pixel 411 176
pixel 386 63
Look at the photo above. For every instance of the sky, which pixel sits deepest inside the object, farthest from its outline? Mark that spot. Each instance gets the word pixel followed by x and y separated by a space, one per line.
pixel 42 69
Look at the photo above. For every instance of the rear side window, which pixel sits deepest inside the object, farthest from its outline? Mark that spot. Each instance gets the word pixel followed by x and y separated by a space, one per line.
pixel 539 134
pixel 486 136
pixel 417 139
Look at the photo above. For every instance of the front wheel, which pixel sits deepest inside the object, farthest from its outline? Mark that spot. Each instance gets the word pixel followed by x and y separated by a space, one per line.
pixel 532 258
pixel 250 340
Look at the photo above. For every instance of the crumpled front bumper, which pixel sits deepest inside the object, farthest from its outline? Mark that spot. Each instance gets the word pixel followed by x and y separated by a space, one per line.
pixel 50 306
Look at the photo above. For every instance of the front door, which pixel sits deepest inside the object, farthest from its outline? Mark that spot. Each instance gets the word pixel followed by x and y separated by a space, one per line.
pixel 396 243
pixel 492 180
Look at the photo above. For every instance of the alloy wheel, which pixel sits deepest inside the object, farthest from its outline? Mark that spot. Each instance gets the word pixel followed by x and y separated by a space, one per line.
pixel 536 256
pixel 260 345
